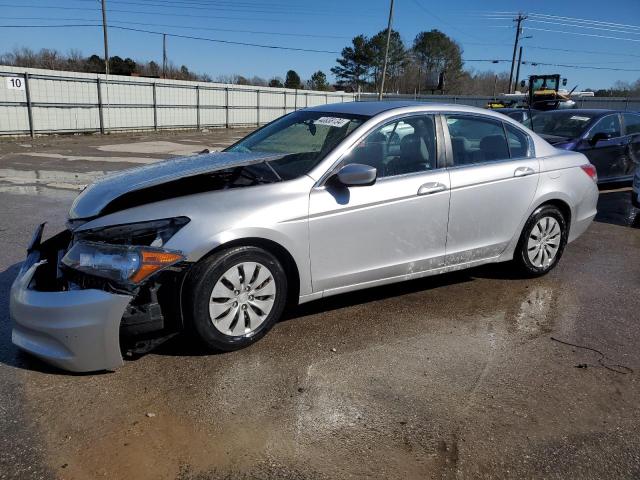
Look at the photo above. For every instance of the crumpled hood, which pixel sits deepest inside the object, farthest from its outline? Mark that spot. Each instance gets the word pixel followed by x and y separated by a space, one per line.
pixel 96 196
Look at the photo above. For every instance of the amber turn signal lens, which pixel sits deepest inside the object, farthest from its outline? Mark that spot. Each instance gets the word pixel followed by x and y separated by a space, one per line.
pixel 152 261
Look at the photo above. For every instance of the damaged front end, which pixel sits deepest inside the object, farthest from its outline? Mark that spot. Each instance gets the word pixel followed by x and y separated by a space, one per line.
pixel 82 298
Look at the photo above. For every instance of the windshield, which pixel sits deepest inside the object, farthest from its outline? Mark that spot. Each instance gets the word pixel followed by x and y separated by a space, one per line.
pixel 548 83
pixel 303 137
pixel 560 124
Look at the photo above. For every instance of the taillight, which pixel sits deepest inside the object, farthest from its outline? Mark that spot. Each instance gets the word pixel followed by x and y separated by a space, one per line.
pixel 591 171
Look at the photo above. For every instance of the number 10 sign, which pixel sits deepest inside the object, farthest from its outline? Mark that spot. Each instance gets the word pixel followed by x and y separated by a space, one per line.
pixel 15 83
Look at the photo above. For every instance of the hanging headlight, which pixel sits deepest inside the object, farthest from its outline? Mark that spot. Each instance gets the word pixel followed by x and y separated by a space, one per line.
pixel 123 264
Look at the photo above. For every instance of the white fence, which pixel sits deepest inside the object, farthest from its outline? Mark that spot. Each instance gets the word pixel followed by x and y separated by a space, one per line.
pixel 34 101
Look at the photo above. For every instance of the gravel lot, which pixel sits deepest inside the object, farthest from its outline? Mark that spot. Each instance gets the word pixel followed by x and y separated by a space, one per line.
pixel 456 376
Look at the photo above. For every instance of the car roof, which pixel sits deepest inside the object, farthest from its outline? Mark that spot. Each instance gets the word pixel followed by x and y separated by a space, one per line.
pixel 374 108
pixel 588 111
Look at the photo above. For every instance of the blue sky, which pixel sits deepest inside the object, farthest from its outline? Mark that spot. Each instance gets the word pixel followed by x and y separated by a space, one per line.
pixel 481 27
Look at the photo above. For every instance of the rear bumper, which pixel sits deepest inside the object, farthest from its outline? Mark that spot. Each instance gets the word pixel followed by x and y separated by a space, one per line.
pixel 76 330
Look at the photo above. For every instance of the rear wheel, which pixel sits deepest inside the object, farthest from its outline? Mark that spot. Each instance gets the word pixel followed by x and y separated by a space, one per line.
pixel 542 241
pixel 233 298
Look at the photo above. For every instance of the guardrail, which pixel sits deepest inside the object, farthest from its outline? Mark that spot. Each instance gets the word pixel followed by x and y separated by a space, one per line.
pixel 33 102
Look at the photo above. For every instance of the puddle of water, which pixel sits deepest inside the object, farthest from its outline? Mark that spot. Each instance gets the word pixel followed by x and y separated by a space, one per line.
pixel 88 158
pixel 170 148
pixel 37 182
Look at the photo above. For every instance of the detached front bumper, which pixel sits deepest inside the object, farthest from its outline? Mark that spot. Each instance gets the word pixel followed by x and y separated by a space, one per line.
pixel 76 330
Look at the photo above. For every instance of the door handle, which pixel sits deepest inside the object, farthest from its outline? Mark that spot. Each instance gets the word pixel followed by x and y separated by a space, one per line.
pixel 523 171
pixel 431 187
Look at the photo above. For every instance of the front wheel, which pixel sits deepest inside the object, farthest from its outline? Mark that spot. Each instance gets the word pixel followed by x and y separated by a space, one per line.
pixel 234 297
pixel 542 241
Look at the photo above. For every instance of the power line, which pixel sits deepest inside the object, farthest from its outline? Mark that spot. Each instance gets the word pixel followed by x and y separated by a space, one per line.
pixel 231 30
pixel 235 10
pixel 592 52
pixel 535 63
pixel 584 34
pixel 175 35
pixel 52 26
pixel 601 28
pixel 228 42
pixel 113 10
pixel 188 3
pixel 585 20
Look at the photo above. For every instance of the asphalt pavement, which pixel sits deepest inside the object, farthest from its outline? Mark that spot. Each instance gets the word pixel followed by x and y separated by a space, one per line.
pixel 475 374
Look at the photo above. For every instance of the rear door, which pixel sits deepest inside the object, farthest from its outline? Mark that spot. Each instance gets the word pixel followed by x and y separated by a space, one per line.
pixel 494 177
pixel 609 156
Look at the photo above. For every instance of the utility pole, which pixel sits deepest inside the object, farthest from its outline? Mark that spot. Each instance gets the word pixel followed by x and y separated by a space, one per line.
pixel 164 55
pixel 515 87
pixel 386 51
pixel 106 40
pixel 519 19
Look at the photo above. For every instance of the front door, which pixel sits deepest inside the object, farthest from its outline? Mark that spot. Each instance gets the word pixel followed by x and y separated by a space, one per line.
pixel 391 229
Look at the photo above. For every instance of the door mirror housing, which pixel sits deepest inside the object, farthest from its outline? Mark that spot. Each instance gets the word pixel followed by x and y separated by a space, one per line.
pixel 598 137
pixel 356 175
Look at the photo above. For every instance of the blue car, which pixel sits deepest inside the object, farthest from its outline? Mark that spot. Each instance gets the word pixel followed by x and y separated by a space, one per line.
pixel 610 139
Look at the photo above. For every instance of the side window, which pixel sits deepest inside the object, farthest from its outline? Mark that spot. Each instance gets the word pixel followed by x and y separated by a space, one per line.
pixel 518 141
pixel 398 147
pixel 631 123
pixel 476 140
pixel 609 125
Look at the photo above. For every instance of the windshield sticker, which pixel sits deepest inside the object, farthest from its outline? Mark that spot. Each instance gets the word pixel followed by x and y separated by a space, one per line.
pixel 579 118
pixel 332 121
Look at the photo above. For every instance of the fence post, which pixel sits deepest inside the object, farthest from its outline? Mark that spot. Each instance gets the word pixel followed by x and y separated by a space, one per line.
pixel 306 99
pixel 226 107
pixel 326 98
pixel 626 104
pixel 284 108
pixel 155 108
pixel 100 112
pixel 295 101
pixel 27 93
pixel 258 107
pixel 198 107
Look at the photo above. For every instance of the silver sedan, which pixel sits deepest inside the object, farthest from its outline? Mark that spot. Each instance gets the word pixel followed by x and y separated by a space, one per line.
pixel 322 201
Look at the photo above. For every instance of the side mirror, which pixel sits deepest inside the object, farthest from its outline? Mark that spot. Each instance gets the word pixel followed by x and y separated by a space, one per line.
pixel 357 175
pixel 599 137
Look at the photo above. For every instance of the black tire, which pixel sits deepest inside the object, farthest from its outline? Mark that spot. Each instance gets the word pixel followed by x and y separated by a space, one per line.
pixel 199 286
pixel 521 255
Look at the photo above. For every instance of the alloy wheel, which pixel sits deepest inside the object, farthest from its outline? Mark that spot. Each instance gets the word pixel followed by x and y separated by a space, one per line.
pixel 242 298
pixel 544 242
